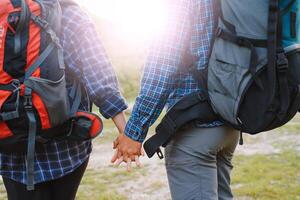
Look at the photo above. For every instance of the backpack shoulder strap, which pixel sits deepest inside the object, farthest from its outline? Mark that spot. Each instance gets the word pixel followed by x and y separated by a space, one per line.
pixel 272 44
pixel 24 19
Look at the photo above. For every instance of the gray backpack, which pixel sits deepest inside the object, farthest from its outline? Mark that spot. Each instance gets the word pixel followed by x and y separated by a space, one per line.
pixel 253 75
pixel 253 79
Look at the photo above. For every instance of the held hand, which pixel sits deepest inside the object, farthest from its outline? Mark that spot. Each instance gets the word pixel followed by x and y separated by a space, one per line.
pixel 127 150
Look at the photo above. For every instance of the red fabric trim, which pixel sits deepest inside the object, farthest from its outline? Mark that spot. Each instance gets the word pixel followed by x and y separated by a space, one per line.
pixel 97 124
pixel 42 110
pixel 3 96
pixel 5 132
pixel 5 8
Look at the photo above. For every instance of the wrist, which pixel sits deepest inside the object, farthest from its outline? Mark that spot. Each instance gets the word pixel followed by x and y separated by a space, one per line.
pixel 133 136
pixel 120 121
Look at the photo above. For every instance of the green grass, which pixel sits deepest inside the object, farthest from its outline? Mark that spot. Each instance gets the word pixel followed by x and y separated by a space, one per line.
pixel 292 127
pixel 256 177
pixel 96 185
pixel 261 177
pixel 103 184
pixel 267 177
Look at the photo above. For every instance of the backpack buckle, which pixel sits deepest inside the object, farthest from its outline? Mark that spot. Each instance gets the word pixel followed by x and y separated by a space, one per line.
pixel 39 21
pixel 54 38
pixel 28 102
pixel 282 62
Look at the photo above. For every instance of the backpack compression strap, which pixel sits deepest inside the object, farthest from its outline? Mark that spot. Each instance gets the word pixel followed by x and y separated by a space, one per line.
pixel 54 38
pixel 28 93
pixel 277 60
pixel 272 45
pixel 31 138
pixel 31 117
pixel 55 43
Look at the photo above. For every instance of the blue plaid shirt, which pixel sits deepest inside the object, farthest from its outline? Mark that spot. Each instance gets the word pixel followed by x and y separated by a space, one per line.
pixel 190 22
pixel 86 59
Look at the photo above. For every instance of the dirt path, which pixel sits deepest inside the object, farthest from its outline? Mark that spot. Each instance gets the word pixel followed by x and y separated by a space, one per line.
pixel 153 185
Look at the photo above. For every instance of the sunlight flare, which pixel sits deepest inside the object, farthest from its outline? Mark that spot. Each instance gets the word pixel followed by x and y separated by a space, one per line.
pixel 136 19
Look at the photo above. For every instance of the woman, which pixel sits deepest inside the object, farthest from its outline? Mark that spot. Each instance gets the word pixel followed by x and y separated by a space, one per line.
pixel 60 165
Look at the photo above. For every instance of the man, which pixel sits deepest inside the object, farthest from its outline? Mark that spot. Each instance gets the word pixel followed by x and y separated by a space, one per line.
pixel 198 160
pixel 60 165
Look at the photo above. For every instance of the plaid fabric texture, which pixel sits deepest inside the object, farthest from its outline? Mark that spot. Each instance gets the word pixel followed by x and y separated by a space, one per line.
pixel 190 27
pixel 86 60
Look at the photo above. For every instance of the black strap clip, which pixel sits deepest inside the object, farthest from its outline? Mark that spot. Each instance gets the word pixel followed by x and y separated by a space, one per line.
pixel 282 62
pixel 28 102
pixel 39 21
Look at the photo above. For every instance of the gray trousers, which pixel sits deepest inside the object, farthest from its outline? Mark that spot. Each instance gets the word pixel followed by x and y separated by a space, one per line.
pixel 198 163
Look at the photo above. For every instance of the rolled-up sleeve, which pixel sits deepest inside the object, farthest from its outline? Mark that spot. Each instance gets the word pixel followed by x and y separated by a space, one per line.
pixel 86 57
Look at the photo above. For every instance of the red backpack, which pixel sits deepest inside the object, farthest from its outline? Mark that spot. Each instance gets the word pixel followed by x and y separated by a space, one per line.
pixel 35 105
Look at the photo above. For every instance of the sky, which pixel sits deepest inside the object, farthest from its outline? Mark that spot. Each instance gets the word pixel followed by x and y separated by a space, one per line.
pixel 141 19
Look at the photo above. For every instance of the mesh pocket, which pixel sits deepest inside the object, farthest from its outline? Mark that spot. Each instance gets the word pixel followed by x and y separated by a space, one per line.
pixel 228 76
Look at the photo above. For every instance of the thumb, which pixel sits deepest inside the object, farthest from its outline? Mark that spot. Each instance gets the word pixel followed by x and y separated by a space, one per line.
pixel 114 145
pixel 142 152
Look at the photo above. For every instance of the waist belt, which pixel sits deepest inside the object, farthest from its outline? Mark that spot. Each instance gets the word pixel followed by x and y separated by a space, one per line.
pixel 194 106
